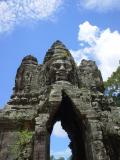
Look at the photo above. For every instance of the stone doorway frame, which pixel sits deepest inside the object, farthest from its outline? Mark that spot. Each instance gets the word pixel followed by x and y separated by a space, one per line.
pixel 94 147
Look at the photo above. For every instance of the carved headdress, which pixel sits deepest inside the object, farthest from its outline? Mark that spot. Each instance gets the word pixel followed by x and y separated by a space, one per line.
pixel 59 64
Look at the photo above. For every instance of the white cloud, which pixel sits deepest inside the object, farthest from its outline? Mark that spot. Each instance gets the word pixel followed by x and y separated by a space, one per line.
pixel 100 5
pixel 14 11
pixel 88 32
pixel 65 153
pixel 7 17
pixel 58 131
pixel 100 45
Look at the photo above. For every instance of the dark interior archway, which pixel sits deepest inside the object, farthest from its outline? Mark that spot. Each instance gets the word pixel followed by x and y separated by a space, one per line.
pixel 72 123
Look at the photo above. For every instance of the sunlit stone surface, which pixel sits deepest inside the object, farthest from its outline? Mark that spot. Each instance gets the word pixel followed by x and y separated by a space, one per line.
pixel 58 90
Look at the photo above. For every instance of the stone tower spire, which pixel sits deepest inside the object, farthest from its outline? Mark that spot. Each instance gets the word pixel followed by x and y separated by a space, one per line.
pixel 58 50
pixel 24 76
pixel 60 64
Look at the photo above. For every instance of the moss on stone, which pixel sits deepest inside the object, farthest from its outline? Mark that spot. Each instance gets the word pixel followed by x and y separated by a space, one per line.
pixel 24 139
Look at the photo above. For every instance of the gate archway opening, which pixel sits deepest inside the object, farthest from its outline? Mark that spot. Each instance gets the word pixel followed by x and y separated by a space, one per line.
pixel 73 124
pixel 59 143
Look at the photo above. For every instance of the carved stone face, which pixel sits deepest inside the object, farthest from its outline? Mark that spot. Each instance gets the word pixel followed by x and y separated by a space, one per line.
pixel 61 69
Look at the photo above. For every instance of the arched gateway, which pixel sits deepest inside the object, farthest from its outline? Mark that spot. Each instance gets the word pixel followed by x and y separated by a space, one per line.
pixel 59 90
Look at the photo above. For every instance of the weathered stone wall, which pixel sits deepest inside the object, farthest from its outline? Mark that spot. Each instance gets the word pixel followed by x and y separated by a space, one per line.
pixel 59 90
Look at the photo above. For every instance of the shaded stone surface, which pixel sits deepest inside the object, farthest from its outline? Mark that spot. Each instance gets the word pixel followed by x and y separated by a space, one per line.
pixel 57 90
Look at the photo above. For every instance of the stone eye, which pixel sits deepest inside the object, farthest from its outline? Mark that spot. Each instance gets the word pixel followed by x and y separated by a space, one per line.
pixel 57 65
pixel 66 65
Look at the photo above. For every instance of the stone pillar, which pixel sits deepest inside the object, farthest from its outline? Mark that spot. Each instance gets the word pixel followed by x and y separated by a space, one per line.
pixel 41 140
pixel 95 146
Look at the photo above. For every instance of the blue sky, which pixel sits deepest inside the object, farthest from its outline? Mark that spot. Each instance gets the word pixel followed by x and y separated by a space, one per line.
pixel 89 28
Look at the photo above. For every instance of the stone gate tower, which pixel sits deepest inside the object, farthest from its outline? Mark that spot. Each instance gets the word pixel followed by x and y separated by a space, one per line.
pixel 58 90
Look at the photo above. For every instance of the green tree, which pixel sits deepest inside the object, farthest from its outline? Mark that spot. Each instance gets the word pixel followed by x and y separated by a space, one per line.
pixel 114 80
pixel 113 84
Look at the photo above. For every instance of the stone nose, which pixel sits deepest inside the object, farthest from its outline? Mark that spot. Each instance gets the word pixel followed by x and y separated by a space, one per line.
pixel 62 68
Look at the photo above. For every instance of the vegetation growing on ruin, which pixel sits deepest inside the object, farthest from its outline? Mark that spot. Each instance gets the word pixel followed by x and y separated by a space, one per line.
pixel 24 138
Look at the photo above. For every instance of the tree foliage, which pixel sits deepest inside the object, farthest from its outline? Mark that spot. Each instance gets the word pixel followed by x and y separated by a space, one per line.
pixel 112 86
pixel 114 80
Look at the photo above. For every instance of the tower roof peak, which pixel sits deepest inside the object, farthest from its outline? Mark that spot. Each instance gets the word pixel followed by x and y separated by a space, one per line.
pixel 29 59
pixel 57 50
pixel 58 43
